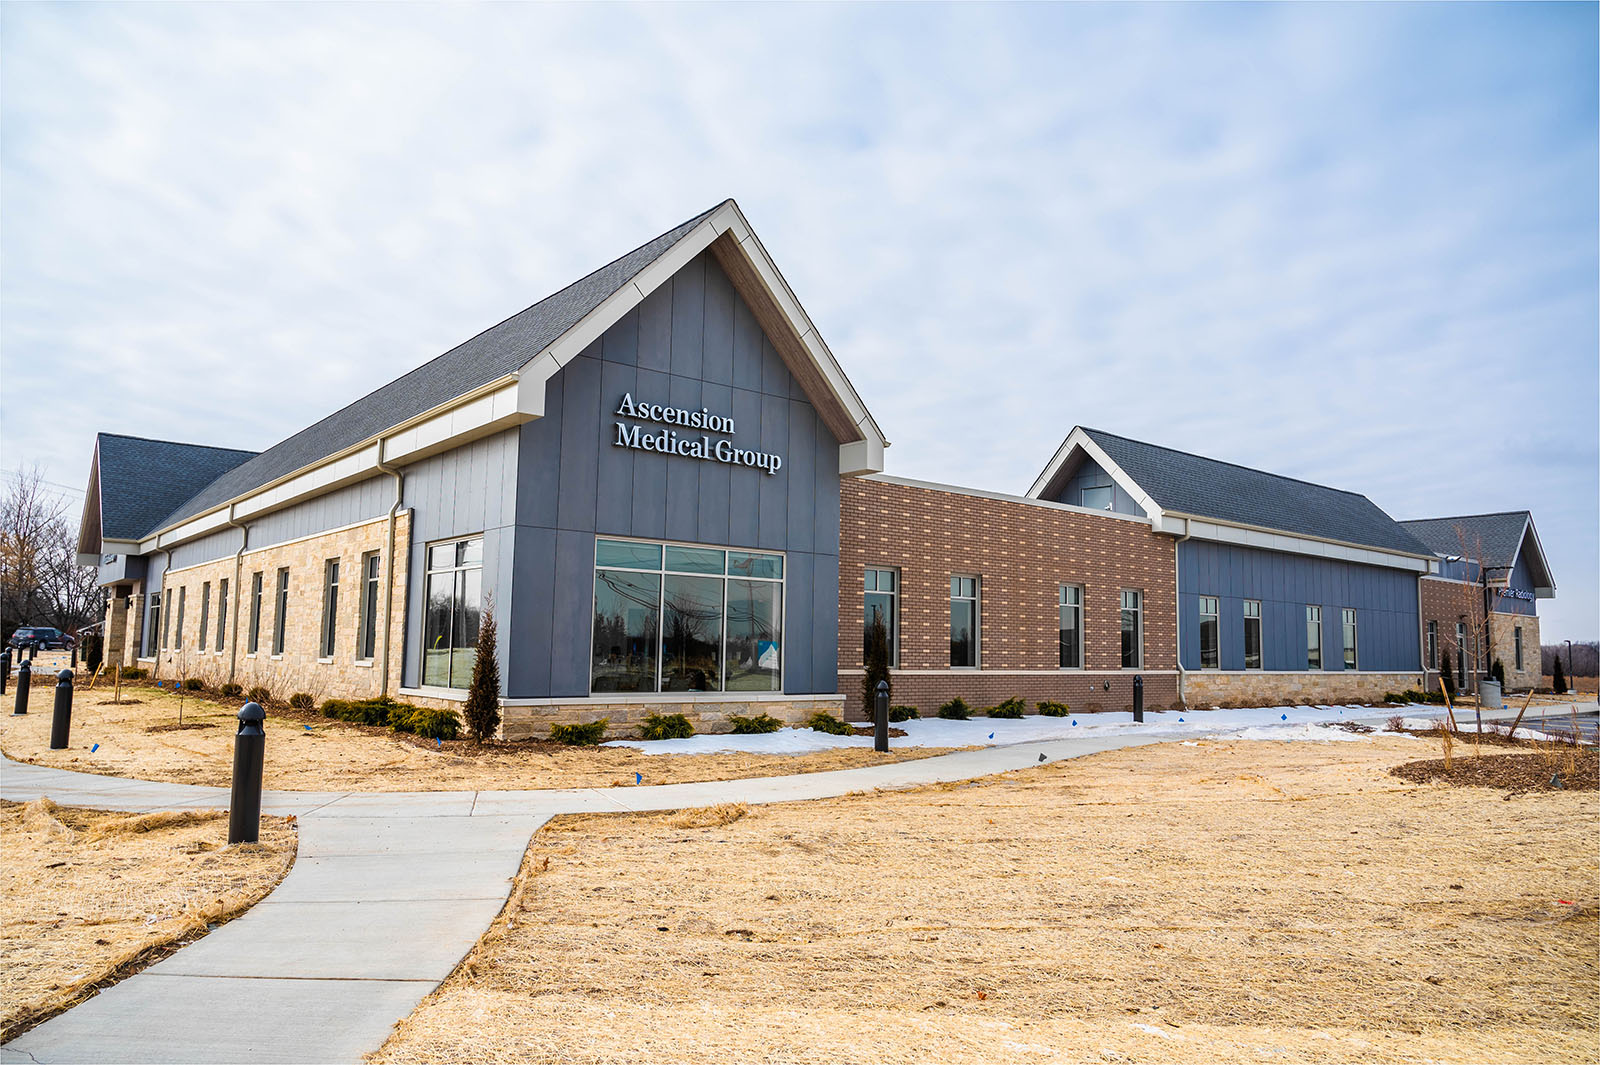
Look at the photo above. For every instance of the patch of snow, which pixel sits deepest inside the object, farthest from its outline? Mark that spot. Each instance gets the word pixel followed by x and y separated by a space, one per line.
pixel 1321 733
pixel 1150 1029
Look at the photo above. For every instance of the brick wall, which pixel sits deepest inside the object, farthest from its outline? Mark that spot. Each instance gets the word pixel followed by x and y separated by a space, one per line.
pixel 1022 553
pixel 301 667
pixel 1444 602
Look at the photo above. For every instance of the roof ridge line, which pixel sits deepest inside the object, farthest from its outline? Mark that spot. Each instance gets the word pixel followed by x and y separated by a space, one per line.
pixel 179 443
pixel 1459 517
pixel 1237 466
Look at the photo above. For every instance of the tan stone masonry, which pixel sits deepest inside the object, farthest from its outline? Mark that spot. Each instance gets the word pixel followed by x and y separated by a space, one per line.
pixel 1208 688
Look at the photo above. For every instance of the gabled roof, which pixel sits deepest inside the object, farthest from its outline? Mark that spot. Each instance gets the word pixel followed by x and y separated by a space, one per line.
pixel 532 345
pixel 1499 538
pixel 135 481
pixel 1182 484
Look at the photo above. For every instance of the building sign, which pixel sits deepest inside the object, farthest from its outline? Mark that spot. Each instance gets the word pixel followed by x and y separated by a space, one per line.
pixel 1516 593
pixel 694 446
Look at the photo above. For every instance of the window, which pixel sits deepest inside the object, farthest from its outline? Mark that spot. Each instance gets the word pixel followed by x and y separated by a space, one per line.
pixel 454 607
pixel 1516 637
pixel 1433 645
pixel 882 592
pixel 1252 634
pixel 177 635
pixel 1096 498
pixel 367 641
pixel 964 621
pixel 330 605
pixel 255 612
pixel 1349 638
pixel 1210 622
pixel 205 613
pixel 1313 637
pixel 222 611
pixel 1132 629
pixel 280 630
pixel 1071 626
pixel 152 635
pixel 669 617
pixel 1461 654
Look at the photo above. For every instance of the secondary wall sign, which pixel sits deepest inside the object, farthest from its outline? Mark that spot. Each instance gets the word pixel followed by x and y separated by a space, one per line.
pixel 671 442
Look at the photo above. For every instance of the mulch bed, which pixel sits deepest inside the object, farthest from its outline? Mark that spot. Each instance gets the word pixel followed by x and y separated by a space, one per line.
pixel 1579 770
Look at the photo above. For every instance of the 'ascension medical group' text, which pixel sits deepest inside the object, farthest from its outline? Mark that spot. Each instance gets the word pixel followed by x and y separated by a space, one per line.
pixel 671 442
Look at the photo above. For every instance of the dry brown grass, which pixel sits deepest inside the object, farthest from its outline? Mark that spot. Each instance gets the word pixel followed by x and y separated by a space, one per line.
pixel 87 896
pixel 306 752
pixel 1226 901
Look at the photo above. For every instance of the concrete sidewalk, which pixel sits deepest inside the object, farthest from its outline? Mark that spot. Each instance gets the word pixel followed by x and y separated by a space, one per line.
pixel 389 891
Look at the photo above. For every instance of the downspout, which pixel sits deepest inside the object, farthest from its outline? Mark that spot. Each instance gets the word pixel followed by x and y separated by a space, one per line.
pixel 388 571
pixel 1177 612
pixel 238 592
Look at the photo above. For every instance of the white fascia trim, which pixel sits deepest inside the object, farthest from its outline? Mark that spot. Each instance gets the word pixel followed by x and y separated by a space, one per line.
pixel 934 486
pixel 1080 439
pixel 496 406
pixel 855 457
pixel 1271 540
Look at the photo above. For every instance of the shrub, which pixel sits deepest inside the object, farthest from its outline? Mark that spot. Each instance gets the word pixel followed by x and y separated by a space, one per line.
pixel 822 721
pixel 1498 672
pixel 363 711
pixel 1447 676
pixel 232 691
pixel 1558 678
pixel 302 701
pixel 482 710
pixel 754 726
pixel 1050 708
pixel 1011 708
pixel 903 713
pixel 132 673
pixel 955 710
pixel 666 727
pixel 876 663
pixel 423 721
pixel 582 735
pixel 193 684
pixel 258 694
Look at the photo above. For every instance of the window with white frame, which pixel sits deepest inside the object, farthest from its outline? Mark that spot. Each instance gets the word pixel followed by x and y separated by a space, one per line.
pixel 453 610
pixel 686 618
pixel 1433 645
pixel 1252 634
pixel 205 613
pixel 1132 629
pixel 1313 637
pixel 222 613
pixel 1210 625
pixel 367 638
pixel 1072 626
pixel 964 622
pixel 1349 618
pixel 880 603
pixel 1100 498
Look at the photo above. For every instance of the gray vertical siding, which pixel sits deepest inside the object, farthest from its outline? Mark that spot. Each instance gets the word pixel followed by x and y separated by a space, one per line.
pixel 1385 601
pixel 220 544
pixel 353 503
pixel 692 343
pixel 1090 475
pixel 468 491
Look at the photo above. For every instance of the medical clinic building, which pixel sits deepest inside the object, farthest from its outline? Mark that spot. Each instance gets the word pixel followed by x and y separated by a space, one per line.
pixel 669 493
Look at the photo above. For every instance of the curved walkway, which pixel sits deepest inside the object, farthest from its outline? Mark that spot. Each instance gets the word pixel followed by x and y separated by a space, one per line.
pixel 388 893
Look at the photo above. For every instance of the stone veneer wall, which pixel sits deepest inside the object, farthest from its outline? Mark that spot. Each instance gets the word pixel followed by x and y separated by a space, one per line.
pixel 1210 688
pixel 1085 692
pixel 1502 642
pixel 299 668
pixel 523 722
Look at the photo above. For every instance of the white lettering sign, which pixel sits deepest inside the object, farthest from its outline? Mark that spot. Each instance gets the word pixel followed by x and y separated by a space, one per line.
pixel 671 442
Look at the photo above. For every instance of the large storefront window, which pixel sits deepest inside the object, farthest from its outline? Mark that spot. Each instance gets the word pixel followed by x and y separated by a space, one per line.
pixel 685 619
pixel 454 606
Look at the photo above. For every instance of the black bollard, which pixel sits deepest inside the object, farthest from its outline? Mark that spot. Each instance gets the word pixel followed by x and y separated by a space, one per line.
pixel 880 729
pixel 5 669
pixel 249 752
pixel 1138 699
pixel 61 723
pixel 24 678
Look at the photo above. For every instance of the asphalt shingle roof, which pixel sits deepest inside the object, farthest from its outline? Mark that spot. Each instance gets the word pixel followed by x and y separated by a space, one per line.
pixel 493 353
pixel 1500 535
pixel 142 480
pixel 1208 488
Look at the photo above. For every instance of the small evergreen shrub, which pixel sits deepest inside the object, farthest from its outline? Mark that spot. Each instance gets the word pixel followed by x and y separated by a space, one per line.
pixel 482 709
pixel 903 713
pixel 1447 676
pixel 424 721
pixel 666 727
pixel 232 691
pixel 302 701
pixel 1498 672
pixel 1011 708
pixel 822 721
pixel 955 710
pixel 1050 708
pixel 1558 678
pixel 258 694
pixel 132 673
pixel 876 663
pixel 193 684
pixel 584 735
pixel 754 726
pixel 379 711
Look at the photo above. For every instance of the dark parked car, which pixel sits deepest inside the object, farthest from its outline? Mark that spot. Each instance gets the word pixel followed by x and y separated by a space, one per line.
pixel 40 638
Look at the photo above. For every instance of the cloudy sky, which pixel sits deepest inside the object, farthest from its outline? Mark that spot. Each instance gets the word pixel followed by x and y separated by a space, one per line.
pixel 1355 244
